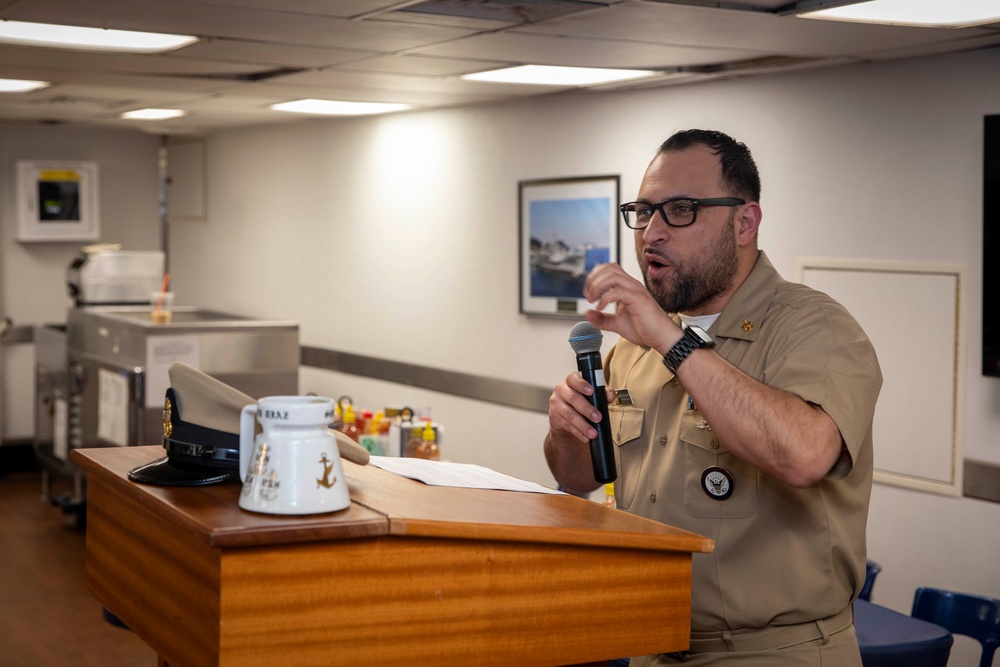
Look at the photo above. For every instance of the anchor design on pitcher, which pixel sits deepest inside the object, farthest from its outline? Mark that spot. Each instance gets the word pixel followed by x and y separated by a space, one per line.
pixel 327 469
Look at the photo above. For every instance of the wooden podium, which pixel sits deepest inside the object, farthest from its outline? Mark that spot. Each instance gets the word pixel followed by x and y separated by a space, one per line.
pixel 408 574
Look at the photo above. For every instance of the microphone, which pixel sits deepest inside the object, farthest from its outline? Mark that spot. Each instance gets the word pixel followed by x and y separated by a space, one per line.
pixel 585 339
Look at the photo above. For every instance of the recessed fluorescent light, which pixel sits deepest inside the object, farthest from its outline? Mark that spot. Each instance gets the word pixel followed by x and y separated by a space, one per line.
pixel 154 114
pixel 337 108
pixel 925 13
pixel 21 85
pixel 89 39
pixel 547 75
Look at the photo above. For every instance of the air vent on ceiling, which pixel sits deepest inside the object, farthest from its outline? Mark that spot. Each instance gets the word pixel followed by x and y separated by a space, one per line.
pixel 518 11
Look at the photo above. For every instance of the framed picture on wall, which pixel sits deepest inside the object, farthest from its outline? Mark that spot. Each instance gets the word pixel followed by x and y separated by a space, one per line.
pixel 567 227
pixel 57 201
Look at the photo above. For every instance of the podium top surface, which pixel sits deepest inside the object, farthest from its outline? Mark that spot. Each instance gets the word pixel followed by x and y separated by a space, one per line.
pixel 383 503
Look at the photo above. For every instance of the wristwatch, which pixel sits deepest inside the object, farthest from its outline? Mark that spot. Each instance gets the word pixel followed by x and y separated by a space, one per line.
pixel 693 338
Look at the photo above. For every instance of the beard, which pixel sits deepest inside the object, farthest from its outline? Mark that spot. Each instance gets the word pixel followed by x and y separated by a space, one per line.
pixel 698 280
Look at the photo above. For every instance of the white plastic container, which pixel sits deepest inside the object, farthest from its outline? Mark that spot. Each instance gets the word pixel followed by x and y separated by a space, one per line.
pixel 115 276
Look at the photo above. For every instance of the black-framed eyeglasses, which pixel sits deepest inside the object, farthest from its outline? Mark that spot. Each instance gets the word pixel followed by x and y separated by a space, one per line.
pixel 679 212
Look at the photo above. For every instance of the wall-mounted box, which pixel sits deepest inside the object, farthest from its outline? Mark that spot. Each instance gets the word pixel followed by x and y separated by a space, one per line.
pixel 57 201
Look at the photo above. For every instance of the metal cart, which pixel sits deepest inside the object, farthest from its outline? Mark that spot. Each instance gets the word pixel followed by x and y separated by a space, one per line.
pixel 101 381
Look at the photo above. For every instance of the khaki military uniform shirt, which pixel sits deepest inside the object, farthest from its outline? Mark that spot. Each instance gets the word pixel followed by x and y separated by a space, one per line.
pixel 783 555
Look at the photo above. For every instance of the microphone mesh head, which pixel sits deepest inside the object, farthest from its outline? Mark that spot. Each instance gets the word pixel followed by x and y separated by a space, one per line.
pixel 585 337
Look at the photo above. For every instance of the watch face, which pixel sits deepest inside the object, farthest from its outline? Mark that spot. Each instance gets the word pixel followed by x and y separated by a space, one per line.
pixel 702 335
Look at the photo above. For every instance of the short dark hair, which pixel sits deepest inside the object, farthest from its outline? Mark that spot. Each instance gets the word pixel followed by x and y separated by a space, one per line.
pixel 739 171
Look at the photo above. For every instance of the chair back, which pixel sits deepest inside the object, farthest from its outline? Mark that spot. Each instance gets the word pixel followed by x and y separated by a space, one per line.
pixel 975 616
pixel 871 571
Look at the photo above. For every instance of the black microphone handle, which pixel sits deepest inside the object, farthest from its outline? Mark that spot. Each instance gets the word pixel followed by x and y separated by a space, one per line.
pixel 602 448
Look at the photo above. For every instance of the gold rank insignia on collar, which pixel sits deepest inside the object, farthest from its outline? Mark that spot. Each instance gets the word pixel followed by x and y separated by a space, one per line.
pixel 747 326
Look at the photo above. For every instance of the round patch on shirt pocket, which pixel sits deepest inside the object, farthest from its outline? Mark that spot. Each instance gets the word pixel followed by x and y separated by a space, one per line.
pixel 703 451
pixel 626 432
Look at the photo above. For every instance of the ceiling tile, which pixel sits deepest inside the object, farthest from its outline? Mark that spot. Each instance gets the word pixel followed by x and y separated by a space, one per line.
pixel 18 56
pixel 269 53
pixel 338 8
pixel 688 25
pixel 422 65
pixel 580 52
pixel 234 22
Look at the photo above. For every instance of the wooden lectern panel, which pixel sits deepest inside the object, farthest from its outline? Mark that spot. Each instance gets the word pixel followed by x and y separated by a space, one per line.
pixel 409 574
pixel 414 508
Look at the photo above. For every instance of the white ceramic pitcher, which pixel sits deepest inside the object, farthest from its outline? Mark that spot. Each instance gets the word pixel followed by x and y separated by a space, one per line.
pixel 293 466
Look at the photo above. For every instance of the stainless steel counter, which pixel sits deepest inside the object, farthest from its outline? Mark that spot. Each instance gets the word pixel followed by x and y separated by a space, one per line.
pixel 118 360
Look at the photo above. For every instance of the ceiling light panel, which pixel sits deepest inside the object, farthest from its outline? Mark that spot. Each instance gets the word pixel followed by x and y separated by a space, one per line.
pixel 546 75
pixel 922 13
pixel 154 114
pixel 21 85
pixel 89 39
pixel 338 108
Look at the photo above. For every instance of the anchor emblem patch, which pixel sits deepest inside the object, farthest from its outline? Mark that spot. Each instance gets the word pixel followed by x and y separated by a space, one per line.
pixel 717 482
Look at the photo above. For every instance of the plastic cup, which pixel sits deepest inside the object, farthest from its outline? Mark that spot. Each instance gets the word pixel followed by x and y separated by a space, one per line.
pixel 162 305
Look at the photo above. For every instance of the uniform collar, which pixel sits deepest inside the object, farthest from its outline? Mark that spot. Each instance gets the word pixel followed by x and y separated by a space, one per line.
pixel 744 313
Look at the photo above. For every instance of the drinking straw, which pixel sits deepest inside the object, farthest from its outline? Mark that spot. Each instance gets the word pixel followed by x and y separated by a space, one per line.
pixel 163 290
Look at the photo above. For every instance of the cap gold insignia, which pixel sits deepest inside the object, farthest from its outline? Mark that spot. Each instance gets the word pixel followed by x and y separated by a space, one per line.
pixel 747 326
pixel 168 427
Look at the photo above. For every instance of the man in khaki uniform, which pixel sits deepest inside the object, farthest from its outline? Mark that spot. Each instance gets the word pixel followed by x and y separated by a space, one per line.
pixel 747 418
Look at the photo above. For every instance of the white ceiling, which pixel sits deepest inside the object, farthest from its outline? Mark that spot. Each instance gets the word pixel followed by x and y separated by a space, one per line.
pixel 254 53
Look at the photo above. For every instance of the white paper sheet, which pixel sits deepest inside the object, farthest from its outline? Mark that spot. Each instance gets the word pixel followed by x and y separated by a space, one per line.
pixel 462 475
pixel 161 351
pixel 112 407
pixel 60 438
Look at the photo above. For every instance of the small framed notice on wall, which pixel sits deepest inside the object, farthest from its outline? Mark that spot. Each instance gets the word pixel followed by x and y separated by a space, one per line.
pixel 57 201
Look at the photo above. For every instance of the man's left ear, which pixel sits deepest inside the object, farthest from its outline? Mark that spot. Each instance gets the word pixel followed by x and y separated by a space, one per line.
pixel 748 221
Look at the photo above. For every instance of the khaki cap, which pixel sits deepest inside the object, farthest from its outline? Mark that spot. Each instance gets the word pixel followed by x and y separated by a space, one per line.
pixel 211 403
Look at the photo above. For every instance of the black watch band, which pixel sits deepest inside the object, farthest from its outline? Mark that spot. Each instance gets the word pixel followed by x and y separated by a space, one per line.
pixel 693 338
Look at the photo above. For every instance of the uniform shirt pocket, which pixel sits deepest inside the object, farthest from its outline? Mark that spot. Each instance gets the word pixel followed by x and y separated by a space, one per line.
pixel 626 431
pixel 703 450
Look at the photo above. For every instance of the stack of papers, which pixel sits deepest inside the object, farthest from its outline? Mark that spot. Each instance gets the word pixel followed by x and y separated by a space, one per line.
pixel 461 475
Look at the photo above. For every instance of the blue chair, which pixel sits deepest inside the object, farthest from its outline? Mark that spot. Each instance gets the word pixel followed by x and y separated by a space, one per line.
pixel 890 639
pixel 871 571
pixel 975 616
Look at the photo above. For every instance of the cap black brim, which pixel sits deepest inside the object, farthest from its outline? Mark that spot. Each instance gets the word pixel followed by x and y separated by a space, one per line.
pixel 166 472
